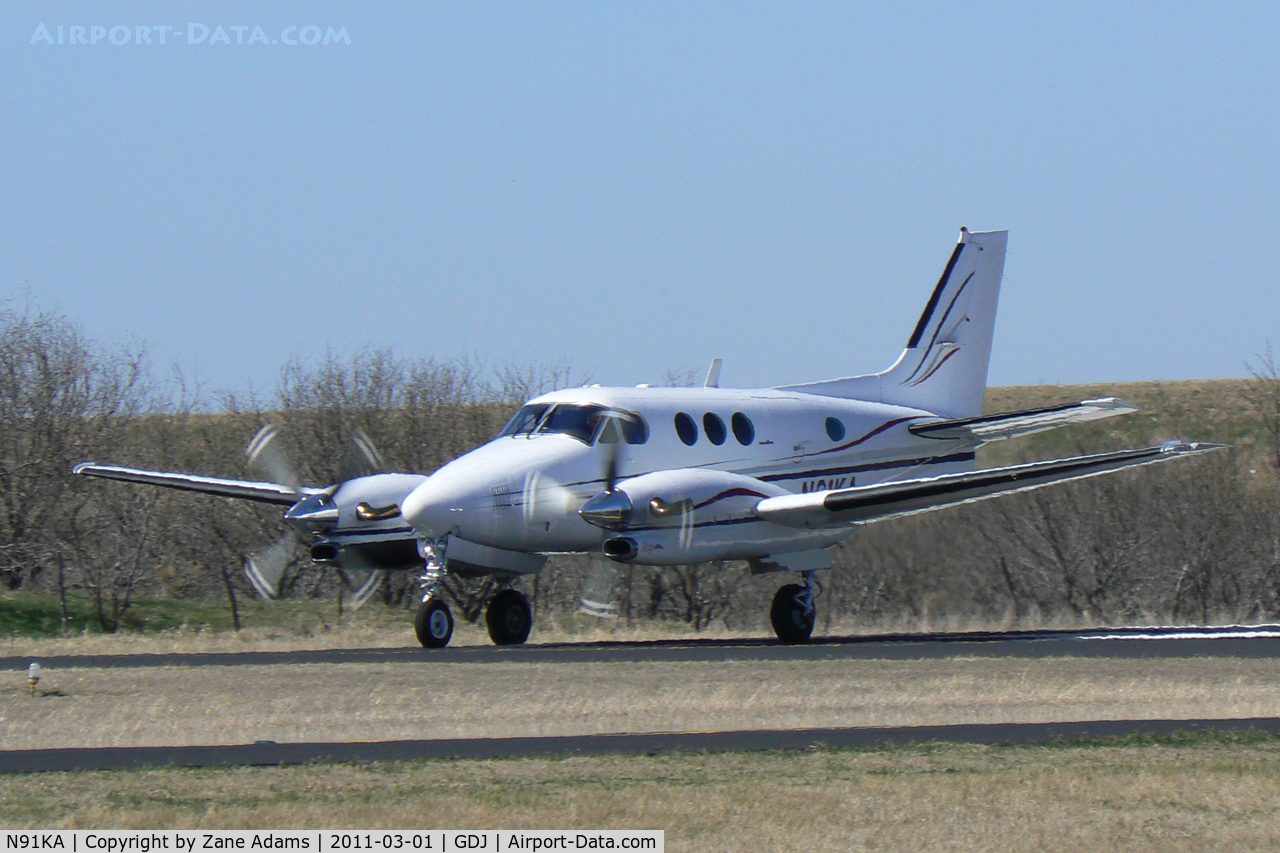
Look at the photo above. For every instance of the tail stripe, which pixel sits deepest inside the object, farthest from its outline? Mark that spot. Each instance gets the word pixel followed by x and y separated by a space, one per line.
pixel 925 378
pixel 941 323
pixel 933 300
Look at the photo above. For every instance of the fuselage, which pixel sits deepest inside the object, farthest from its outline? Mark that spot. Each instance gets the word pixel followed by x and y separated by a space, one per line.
pixel 522 491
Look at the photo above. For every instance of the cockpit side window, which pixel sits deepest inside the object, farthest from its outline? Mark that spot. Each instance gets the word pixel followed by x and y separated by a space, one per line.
pixel 632 426
pixel 525 420
pixel 635 429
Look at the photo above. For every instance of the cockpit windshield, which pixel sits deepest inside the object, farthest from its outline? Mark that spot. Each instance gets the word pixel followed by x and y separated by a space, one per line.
pixel 587 423
pixel 525 420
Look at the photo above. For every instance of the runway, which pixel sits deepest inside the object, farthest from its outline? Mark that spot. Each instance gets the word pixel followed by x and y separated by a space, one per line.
pixel 1255 641
pixel 268 754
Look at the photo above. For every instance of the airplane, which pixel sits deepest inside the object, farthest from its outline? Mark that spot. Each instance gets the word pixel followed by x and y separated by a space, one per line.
pixel 673 476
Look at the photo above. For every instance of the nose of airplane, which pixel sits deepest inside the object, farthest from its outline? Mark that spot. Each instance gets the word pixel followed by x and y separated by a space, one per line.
pixel 431 510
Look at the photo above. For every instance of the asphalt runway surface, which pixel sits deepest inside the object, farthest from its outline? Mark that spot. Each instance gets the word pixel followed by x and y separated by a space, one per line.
pixel 1262 641
pixel 1255 641
pixel 268 754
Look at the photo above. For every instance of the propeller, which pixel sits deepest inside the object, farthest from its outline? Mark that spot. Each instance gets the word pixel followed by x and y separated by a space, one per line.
pixel 268 458
pixel 265 568
pixel 600 587
pixel 360 577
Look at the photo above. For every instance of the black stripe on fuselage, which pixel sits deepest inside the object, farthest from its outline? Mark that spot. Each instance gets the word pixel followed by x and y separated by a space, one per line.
pixel 871 466
pixel 676 527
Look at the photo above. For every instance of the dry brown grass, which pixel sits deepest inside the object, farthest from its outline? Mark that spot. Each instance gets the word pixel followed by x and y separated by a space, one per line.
pixel 385 629
pixel 318 702
pixel 1206 794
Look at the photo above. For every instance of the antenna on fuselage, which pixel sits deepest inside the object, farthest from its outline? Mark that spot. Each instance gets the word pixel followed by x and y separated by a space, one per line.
pixel 713 375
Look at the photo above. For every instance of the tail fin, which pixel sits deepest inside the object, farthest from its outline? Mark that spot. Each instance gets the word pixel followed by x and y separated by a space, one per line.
pixel 943 370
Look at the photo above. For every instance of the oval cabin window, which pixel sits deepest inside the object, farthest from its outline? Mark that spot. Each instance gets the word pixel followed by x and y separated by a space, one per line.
pixel 686 429
pixel 743 429
pixel 714 428
pixel 835 429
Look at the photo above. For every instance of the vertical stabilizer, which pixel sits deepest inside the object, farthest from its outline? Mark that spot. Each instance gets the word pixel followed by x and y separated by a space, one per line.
pixel 944 367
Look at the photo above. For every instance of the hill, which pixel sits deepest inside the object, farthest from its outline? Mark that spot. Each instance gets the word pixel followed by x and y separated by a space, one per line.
pixel 1218 410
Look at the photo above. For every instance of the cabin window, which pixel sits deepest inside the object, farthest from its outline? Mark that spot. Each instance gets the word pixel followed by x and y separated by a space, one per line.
pixel 714 428
pixel 686 429
pixel 525 420
pixel 633 427
pixel 835 429
pixel 743 429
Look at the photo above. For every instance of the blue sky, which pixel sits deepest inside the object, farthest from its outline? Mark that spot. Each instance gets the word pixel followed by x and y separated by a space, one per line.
pixel 637 187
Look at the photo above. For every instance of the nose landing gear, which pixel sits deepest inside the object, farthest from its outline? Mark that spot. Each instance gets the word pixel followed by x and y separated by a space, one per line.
pixel 508 616
pixel 793 613
pixel 434 623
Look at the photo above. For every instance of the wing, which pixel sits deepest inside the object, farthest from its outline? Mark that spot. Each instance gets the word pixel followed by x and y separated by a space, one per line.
pixel 861 504
pixel 272 493
pixel 1013 424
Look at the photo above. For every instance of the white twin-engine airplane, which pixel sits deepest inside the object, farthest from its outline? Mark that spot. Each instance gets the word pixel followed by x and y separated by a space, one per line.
pixel 668 476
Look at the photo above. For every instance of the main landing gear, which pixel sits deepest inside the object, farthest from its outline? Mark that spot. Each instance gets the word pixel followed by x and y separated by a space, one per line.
pixel 794 613
pixel 508 616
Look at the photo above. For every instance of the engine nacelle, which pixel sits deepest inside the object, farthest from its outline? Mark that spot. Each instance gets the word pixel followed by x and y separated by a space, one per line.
pixel 691 515
pixel 357 526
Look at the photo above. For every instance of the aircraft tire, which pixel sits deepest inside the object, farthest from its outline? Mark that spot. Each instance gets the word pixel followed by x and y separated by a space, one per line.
pixel 434 624
pixel 790 621
pixel 509 618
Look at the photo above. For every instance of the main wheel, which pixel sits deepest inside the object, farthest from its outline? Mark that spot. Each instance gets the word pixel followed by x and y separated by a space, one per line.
pixel 791 622
pixel 509 618
pixel 434 625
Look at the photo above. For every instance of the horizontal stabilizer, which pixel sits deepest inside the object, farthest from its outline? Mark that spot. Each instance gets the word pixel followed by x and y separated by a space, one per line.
pixel 1013 424
pixel 273 493
pixel 842 507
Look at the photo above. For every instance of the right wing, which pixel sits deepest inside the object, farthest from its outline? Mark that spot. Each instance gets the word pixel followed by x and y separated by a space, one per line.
pixel 1012 424
pixel 845 507
pixel 272 493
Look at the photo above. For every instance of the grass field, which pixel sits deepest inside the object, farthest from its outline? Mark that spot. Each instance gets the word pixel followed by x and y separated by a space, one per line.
pixel 391 701
pixel 1197 794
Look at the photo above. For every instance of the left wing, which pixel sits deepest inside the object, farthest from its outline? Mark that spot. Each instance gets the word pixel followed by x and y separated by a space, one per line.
pixel 273 493
pixel 1012 424
pixel 861 504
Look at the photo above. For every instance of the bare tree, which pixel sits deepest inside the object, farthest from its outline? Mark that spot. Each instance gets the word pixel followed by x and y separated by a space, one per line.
pixel 1263 394
pixel 61 399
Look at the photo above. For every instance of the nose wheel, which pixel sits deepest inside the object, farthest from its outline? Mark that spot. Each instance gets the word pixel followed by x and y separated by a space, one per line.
pixel 434 624
pixel 509 618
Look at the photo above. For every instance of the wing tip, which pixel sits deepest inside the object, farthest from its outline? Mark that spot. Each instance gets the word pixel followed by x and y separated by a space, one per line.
pixel 1178 447
pixel 1115 404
